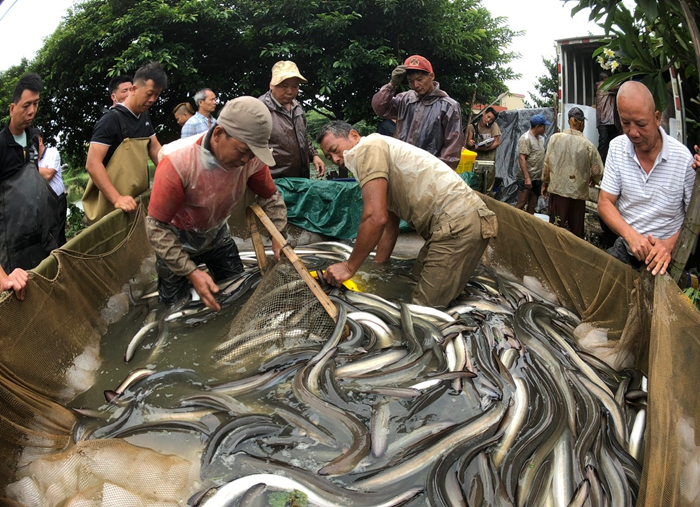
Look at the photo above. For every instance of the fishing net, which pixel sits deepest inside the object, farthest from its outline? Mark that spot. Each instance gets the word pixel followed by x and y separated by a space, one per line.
pixel 282 314
pixel 50 351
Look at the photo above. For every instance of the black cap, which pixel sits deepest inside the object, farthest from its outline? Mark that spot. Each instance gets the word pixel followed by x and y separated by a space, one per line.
pixel 575 112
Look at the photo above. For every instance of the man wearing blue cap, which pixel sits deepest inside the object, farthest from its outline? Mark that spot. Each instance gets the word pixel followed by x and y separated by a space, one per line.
pixel 531 161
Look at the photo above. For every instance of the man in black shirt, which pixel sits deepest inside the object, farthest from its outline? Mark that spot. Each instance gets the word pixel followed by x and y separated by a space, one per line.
pixel 121 143
pixel 26 201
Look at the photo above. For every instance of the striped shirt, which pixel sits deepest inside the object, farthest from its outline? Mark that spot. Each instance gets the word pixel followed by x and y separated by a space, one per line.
pixel 196 125
pixel 653 203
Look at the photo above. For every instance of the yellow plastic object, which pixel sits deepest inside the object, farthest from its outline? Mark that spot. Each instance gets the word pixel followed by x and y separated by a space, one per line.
pixel 466 161
pixel 348 284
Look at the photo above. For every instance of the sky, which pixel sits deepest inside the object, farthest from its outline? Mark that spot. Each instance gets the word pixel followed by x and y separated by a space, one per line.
pixel 543 21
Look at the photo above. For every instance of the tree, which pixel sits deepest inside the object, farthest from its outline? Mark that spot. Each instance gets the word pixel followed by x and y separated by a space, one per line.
pixel 345 49
pixel 649 40
pixel 547 85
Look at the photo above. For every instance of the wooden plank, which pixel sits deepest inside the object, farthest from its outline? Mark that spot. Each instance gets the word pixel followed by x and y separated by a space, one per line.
pixel 257 240
pixel 296 262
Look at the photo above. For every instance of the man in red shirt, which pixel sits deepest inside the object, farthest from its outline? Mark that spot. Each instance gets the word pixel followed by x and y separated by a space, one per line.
pixel 196 186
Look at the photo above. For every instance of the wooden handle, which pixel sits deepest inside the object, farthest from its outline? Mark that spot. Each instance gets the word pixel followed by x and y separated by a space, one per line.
pixel 257 241
pixel 296 262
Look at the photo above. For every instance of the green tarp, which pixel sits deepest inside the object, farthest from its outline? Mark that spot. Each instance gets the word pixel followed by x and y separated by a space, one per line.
pixel 331 207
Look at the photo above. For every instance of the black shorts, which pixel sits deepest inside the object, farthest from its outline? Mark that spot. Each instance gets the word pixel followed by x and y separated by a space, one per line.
pixel 536 186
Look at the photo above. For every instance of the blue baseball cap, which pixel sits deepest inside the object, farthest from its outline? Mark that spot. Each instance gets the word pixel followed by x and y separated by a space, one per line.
pixel 539 119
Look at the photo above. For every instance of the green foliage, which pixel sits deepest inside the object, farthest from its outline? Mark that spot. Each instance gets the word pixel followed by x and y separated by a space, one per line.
pixel 286 499
pixel 547 85
pixel 649 40
pixel 693 295
pixel 75 220
pixel 345 49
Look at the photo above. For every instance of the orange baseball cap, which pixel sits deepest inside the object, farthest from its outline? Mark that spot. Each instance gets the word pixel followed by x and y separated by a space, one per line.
pixel 417 62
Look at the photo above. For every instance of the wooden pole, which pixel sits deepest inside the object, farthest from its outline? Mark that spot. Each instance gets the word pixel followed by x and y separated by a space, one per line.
pixel 691 224
pixel 296 262
pixel 257 241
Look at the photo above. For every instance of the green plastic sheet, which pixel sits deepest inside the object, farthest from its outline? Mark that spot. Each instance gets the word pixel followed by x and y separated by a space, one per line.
pixel 329 207
pixel 332 207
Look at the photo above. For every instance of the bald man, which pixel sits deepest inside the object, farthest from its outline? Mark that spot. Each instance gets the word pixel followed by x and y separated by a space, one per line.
pixel 647 184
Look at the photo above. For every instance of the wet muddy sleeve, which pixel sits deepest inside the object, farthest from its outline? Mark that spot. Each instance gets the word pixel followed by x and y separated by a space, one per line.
pixel 385 102
pixel 167 245
pixel 454 139
pixel 276 209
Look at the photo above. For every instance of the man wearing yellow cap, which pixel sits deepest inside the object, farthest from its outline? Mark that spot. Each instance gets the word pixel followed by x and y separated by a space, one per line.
pixel 198 182
pixel 426 116
pixel 290 143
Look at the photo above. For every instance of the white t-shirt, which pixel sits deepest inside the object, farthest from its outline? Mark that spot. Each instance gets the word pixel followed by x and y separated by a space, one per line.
pixel 52 160
pixel 653 203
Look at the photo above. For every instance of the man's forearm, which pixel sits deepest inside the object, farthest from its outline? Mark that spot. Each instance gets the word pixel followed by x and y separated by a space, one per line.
pixel 387 241
pixel 99 176
pixel 523 167
pixel 382 102
pixel 368 235
pixel 612 218
pixel 276 210
pixel 47 173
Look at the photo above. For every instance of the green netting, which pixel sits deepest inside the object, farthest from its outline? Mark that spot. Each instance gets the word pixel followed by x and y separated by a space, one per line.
pixel 50 343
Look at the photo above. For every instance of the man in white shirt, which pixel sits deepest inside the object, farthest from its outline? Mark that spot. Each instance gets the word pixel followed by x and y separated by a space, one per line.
pixel 50 168
pixel 647 184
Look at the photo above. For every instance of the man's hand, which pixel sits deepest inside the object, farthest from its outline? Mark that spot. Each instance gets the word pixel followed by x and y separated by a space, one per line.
pixel 17 281
pixel 276 249
pixel 659 257
pixel 528 182
pixel 336 274
pixel 696 158
pixel 125 203
pixel 319 165
pixel 398 75
pixel 639 245
pixel 544 192
pixel 205 287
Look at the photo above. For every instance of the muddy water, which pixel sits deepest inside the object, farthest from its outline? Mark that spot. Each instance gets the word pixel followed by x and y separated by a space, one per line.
pixel 184 349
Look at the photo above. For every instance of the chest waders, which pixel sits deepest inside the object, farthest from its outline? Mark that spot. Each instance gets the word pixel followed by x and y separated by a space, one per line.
pixel 27 205
pixel 128 171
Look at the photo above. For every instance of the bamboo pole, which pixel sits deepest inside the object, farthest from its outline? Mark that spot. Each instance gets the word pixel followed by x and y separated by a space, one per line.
pixel 296 262
pixel 257 241
pixel 691 224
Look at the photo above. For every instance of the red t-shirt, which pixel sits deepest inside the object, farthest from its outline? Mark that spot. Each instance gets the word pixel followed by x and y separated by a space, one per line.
pixel 194 195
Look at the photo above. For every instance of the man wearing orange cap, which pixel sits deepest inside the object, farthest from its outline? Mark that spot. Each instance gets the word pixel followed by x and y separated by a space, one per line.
pixel 289 141
pixel 426 116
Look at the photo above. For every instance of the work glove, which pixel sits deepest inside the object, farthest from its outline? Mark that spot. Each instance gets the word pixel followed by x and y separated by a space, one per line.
pixel 398 75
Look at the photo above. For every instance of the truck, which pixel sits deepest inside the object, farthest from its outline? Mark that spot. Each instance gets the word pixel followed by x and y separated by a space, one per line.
pixel 578 73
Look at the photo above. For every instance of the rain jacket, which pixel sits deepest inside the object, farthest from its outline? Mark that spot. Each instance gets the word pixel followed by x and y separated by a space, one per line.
pixel 290 143
pixel 433 122
pixel 28 206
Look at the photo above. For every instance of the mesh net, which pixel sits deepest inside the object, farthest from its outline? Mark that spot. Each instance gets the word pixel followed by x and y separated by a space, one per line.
pixel 50 348
pixel 282 314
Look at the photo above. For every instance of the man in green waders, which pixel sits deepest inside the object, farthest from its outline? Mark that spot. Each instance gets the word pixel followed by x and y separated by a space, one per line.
pixel 121 143
pixel 27 204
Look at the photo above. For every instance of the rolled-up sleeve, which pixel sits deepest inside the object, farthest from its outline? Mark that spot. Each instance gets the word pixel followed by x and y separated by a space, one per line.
pixel 167 245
